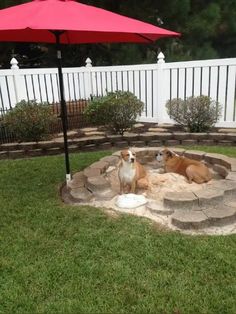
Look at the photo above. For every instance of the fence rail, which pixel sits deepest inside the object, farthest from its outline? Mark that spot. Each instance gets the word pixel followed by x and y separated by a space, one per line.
pixel 154 84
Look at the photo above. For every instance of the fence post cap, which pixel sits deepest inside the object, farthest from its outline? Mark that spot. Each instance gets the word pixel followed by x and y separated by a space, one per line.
pixel 14 63
pixel 88 62
pixel 160 58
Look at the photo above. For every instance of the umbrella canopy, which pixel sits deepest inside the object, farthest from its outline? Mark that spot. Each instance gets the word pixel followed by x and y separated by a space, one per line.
pixel 71 22
pixel 80 23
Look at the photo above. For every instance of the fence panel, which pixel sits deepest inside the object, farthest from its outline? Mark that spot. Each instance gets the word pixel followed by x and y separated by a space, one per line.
pixel 154 84
pixel 214 78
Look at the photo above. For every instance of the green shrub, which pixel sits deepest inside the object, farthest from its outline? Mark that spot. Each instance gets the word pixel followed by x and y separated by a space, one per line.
pixel 5 134
pixel 198 114
pixel 29 120
pixel 117 111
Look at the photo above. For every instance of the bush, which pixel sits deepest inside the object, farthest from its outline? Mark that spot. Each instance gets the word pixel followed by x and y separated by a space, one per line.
pixel 5 134
pixel 117 111
pixel 30 121
pixel 198 114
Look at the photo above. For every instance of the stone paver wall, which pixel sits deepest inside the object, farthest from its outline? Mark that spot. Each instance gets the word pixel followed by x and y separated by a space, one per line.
pixel 100 142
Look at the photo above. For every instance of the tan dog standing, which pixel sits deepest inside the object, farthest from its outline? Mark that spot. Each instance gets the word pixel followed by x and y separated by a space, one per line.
pixel 131 173
pixel 192 169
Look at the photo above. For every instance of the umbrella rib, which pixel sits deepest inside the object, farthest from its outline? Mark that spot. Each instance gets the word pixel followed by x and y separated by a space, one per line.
pixel 144 37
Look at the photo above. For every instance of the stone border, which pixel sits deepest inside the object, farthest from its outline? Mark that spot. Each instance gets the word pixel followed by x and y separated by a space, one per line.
pixel 102 142
pixel 186 210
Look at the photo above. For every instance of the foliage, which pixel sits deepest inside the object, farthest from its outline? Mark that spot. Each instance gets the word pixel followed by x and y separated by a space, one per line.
pixel 29 121
pixel 5 133
pixel 117 111
pixel 208 28
pixel 198 114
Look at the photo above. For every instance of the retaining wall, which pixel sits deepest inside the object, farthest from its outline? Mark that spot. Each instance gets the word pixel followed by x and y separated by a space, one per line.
pixel 90 143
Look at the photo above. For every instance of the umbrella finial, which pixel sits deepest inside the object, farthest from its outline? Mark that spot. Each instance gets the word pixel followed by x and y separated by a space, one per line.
pixel 14 63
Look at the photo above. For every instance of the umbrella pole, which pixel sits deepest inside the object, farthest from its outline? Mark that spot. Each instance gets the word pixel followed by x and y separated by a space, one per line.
pixel 63 105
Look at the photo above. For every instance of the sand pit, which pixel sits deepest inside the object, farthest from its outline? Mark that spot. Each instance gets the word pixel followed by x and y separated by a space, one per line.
pixel 208 208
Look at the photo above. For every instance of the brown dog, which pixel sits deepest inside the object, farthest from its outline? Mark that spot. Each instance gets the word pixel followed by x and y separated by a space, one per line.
pixel 192 169
pixel 131 173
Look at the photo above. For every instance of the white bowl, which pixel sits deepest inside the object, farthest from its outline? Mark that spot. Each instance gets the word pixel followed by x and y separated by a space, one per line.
pixel 130 200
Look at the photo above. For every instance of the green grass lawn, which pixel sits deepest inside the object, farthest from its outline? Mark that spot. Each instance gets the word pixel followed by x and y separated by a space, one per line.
pixel 63 259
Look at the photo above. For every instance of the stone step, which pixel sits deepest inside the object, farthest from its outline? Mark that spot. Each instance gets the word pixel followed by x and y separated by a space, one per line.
pixel 180 200
pixel 104 195
pixel 227 186
pixel 81 194
pixel 221 170
pixel 97 184
pixel 189 219
pixel 209 197
pixel 212 197
pixel 78 181
pixel 158 209
pixel 192 219
pixel 221 216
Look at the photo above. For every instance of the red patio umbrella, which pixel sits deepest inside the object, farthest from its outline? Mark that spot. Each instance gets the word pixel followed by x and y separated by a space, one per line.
pixel 71 22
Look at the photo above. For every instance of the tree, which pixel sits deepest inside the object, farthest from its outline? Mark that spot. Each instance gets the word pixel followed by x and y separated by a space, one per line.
pixel 208 31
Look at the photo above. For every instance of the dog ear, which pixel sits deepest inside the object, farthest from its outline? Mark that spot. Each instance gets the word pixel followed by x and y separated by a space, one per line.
pixel 132 148
pixel 169 153
pixel 121 154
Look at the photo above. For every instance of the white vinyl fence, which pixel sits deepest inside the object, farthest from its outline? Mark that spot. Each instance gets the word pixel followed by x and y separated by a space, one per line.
pixel 154 84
